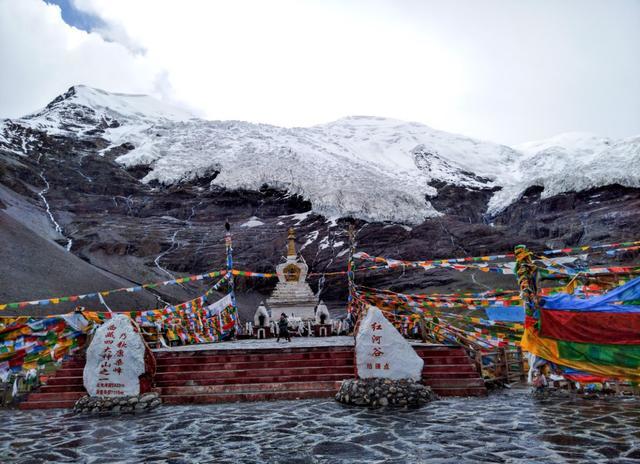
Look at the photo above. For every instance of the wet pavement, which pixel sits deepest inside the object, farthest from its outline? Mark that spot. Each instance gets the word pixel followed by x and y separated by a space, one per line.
pixel 505 427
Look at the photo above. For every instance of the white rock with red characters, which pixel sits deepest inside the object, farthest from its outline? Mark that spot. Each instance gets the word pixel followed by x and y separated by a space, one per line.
pixel 382 352
pixel 115 359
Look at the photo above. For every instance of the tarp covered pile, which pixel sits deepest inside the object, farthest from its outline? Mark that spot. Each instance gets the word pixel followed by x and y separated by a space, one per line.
pixel 599 336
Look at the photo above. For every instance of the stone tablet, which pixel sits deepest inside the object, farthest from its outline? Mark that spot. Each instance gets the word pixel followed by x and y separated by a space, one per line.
pixel 381 352
pixel 115 359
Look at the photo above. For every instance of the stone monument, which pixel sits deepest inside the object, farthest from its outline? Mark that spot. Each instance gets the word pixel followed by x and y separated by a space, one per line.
pixel 119 369
pixel 382 352
pixel 293 295
pixel 389 369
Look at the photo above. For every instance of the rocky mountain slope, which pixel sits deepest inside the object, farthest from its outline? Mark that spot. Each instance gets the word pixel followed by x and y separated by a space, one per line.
pixel 140 191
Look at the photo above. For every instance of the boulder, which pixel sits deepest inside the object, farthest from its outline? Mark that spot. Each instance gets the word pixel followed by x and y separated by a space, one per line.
pixel 382 352
pixel 115 360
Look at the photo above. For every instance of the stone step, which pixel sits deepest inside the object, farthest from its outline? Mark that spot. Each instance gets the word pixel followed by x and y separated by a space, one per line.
pixel 255 387
pixel 68 372
pixel 448 375
pixel 55 396
pixel 426 352
pixel 180 382
pixel 193 358
pixel 73 364
pixel 263 362
pixel 61 381
pixel 284 348
pixel 78 387
pixel 340 362
pixel 247 397
pixel 434 368
pixel 450 360
pixel 214 372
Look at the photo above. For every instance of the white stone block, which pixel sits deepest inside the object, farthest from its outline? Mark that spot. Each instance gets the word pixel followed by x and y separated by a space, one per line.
pixel 382 352
pixel 115 359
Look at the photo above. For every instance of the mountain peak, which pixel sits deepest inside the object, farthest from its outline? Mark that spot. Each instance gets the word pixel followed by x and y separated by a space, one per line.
pixel 114 104
pixel 584 143
pixel 369 167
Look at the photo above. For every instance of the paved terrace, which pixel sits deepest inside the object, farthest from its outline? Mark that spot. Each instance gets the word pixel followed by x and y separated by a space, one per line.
pixel 508 427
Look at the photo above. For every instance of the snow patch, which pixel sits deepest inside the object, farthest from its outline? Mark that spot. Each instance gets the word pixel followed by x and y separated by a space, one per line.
pixel 252 222
pixel 312 237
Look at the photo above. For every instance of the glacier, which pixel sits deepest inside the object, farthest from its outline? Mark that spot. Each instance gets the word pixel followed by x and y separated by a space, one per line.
pixel 372 168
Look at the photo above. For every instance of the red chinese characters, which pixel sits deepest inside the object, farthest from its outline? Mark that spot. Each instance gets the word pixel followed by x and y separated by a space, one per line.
pixel 376 339
pixel 112 362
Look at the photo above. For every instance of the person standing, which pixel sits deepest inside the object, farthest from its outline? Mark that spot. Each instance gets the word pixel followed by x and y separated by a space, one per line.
pixel 283 328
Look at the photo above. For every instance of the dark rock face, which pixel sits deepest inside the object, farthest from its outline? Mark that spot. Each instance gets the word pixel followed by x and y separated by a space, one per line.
pixel 591 216
pixel 463 203
pixel 131 232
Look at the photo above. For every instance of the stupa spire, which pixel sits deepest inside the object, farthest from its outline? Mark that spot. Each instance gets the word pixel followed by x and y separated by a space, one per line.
pixel 292 243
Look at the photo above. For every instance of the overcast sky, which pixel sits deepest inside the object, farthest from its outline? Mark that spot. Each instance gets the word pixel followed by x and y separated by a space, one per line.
pixel 502 70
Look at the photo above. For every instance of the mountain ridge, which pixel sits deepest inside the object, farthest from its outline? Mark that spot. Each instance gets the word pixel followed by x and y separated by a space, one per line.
pixel 177 147
pixel 146 197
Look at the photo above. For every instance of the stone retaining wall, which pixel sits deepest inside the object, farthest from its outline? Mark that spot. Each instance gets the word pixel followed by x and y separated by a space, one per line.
pixel 124 404
pixel 377 393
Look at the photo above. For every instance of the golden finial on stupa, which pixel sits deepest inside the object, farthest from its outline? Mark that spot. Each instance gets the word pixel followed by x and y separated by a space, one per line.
pixel 292 242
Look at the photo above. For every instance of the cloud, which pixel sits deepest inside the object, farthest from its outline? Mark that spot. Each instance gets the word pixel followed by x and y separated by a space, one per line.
pixel 499 70
pixel 41 56
pixel 288 62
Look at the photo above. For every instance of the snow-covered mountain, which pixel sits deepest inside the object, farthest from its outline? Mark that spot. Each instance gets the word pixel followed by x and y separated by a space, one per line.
pixel 372 168
pixel 126 187
pixel 570 162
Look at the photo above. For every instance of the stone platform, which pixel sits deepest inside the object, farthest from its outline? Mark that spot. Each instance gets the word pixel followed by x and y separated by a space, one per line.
pixel 261 370
pixel 255 344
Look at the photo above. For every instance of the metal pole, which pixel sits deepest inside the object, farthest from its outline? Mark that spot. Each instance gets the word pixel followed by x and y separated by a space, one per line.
pixel 423 328
pixel 229 249
pixel 351 269
pixel 527 274
pixel 351 296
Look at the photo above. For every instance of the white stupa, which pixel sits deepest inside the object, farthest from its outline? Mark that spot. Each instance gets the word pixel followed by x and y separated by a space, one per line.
pixel 261 311
pixel 322 314
pixel 293 295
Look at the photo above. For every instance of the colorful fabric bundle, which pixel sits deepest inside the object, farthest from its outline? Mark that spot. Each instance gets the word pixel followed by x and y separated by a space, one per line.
pixel 29 343
pixel 479 263
pixel 508 314
pixel 575 375
pixel 599 336
pixel 484 332
pixel 193 322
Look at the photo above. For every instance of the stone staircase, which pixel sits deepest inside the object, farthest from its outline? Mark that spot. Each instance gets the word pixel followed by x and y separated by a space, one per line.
pixel 61 389
pixel 218 376
pixel 449 371
pixel 222 376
